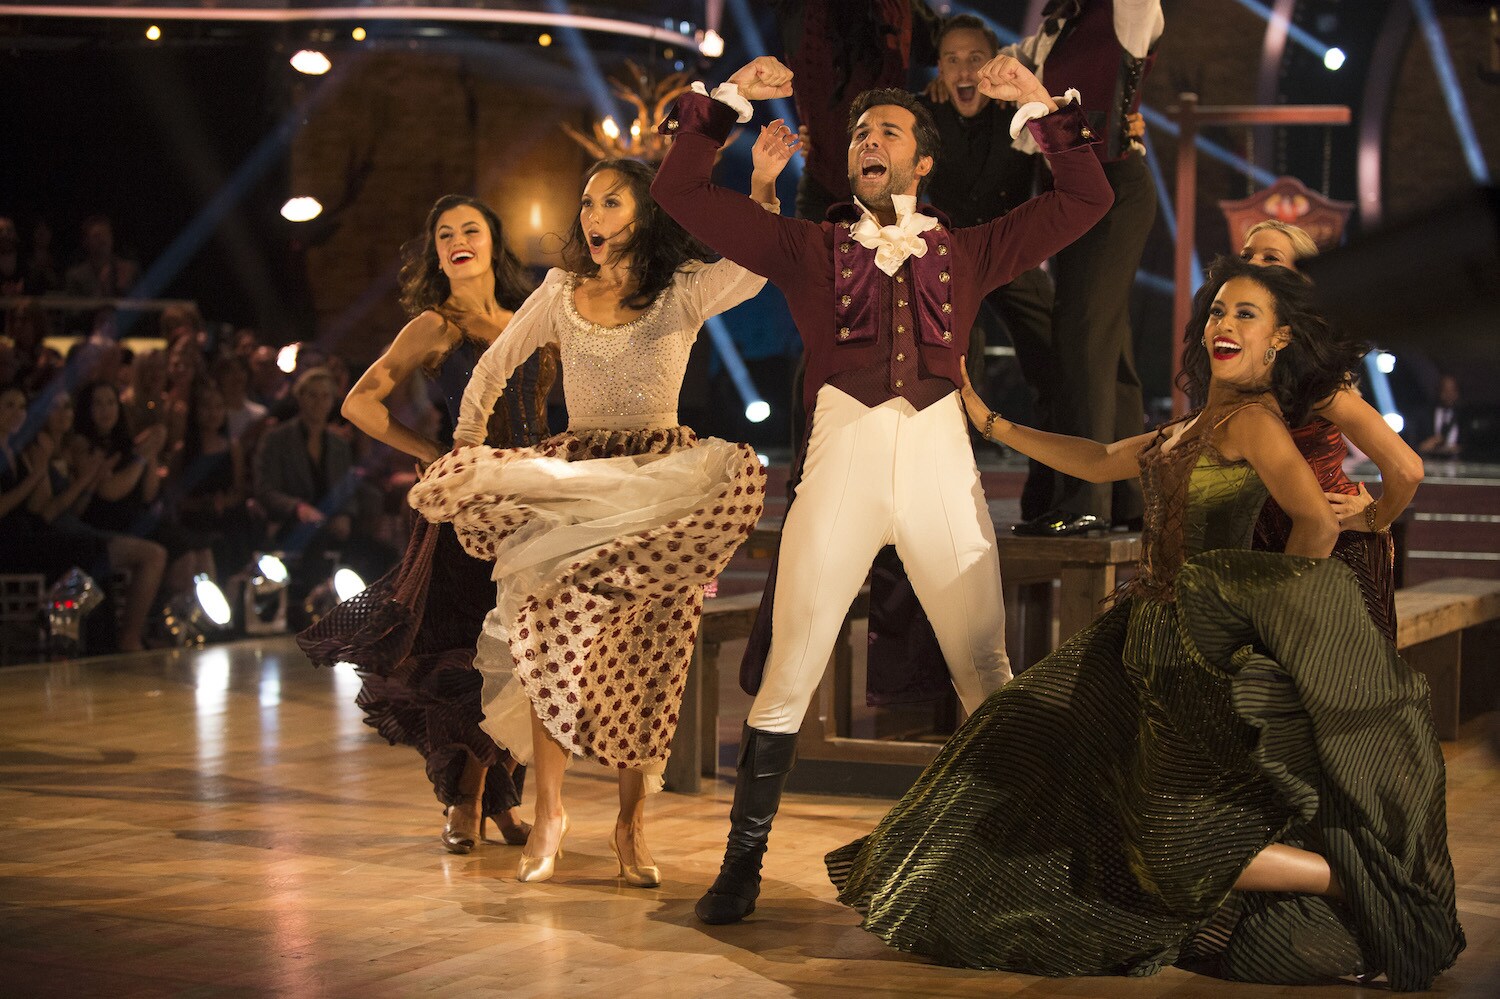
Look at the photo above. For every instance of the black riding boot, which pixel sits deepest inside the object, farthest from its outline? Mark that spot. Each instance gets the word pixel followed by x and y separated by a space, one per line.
pixel 765 760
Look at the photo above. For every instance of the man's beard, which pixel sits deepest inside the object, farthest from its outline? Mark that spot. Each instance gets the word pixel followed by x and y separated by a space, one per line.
pixel 897 181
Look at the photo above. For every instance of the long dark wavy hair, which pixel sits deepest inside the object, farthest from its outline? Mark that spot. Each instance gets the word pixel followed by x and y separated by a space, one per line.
pixel 1317 361
pixel 424 285
pixel 657 247
pixel 117 440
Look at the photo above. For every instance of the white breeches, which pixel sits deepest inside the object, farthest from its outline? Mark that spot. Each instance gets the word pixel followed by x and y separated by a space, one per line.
pixel 876 477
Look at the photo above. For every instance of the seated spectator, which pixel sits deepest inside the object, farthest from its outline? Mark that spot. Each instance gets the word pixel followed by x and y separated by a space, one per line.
pixel 76 471
pixel 267 383
pixel 209 482
pixel 306 482
pixel 185 368
pixel 145 401
pixel 233 379
pixel 244 345
pixel 183 322
pixel 12 274
pixel 125 501
pixel 101 273
pixel 1438 431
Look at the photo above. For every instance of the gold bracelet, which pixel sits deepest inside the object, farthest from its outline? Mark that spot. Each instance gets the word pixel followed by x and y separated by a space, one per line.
pixel 989 424
pixel 1370 517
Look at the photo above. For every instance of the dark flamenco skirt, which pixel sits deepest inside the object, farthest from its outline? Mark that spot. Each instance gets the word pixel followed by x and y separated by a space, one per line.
pixel 1092 817
pixel 411 634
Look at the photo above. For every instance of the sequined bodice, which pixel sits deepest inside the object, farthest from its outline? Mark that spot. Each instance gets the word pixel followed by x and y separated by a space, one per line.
pixel 520 419
pixel 454 373
pixel 623 376
pixel 1196 501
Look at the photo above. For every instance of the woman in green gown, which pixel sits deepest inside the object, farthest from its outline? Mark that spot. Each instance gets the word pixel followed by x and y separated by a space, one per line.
pixel 1231 769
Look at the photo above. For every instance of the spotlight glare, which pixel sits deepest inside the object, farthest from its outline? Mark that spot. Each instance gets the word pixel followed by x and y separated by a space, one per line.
pixel 286 358
pixel 347 583
pixel 358 34
pixel 302 209
pixel 712 44
pixel 1395 421
pixel 764 459
pixel 544 40
pixel 1385 361
pixel 1333 58
pixel 272 568
pixel 311 62
pixel 153 33
pixel 211 599
pixel 758 411
pixel 609 127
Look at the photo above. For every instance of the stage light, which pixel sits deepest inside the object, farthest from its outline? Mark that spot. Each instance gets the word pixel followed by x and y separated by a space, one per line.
pixel 263 603
pixel 544 40
pixel 302 209
pixel 758 411
pixel 71 599
pixel 1333 58
pixel 286 358
pixel 358 34
pixel 1395 421
pixel 610 128
pixel 153 33
pixel 195 613
pixel 712 44
pixel 347 583
pixel 764 459
pixel 311 62
pixel 1385 362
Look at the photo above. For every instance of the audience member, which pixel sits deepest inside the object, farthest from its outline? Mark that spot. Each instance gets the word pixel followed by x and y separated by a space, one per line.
pixel 1439 432
pixel 101 273
pixel 209 483
pixel 145 401
pixel 267 383
pixel 245 416
pixel 305 480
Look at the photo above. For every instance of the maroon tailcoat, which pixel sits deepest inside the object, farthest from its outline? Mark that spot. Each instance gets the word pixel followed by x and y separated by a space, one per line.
pixel 842 303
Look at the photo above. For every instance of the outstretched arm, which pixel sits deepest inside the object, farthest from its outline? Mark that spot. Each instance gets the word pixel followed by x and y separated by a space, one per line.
pixel 530 328
pixel 727 221
pixel 1076 456
pixel 420 342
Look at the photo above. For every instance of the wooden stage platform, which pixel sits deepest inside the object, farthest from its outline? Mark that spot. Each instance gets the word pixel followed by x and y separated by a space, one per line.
pixel 219 823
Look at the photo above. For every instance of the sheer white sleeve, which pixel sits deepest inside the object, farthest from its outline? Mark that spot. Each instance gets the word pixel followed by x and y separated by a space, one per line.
pixel 533 325
pixel 706 290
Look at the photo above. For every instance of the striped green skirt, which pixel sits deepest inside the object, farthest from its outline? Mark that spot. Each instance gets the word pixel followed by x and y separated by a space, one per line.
pixel 1092 817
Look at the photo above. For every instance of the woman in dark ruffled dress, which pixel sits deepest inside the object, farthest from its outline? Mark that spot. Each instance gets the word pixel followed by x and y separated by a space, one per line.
pixel 1365 543
pixel 412 633
pixel 1231 769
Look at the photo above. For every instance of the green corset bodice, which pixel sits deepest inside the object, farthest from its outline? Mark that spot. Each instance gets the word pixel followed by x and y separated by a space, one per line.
pixel 1196 501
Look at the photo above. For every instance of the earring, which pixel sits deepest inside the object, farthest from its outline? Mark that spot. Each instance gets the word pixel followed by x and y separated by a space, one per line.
pixel 1270 355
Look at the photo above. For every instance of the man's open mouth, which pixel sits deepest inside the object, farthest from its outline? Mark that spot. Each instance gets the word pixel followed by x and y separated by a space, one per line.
pixel 966 92
pixel 872 168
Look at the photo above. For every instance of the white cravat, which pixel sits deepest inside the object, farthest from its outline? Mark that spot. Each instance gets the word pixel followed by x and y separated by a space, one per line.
pixel 894 243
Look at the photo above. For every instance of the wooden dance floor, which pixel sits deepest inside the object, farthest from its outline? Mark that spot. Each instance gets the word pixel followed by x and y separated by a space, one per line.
pixel 220 823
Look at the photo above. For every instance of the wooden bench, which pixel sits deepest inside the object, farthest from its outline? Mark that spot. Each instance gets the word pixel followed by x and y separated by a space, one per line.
pixel 695 746
pixel 1431 620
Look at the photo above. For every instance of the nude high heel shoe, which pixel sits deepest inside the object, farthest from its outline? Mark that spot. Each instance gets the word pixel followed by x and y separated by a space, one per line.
pixel 533 869
pixel 635 875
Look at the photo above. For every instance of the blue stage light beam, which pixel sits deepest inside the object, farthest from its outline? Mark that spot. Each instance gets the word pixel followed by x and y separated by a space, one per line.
pixel 756 407
pixel 1300 35
pixel 755 46
pixel 1453 93
pixel 1168 213
pixel 266 154
pixel 588 69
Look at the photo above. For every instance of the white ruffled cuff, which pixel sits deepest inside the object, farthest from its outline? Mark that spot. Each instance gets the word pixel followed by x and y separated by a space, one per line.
pixel 728 93
pixel 1036 109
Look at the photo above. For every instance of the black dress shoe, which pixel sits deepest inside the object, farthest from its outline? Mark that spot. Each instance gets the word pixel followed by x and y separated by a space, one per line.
pixel 1060 524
